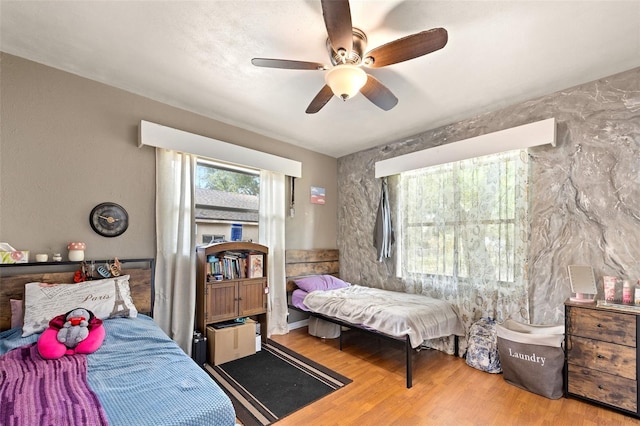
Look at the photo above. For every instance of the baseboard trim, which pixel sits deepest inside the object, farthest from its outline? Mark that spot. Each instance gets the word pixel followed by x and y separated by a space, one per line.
pixel 298 324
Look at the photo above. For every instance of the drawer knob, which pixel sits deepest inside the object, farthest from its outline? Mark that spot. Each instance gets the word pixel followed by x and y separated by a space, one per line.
pixel 600 356
pixel 600 387
pixel 599 325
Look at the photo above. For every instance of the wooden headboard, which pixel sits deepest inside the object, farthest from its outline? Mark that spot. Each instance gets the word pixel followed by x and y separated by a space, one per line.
pixel 12 287
pixel 300 263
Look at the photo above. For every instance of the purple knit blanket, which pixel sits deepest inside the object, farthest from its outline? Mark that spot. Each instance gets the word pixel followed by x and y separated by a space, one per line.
pixel 35 391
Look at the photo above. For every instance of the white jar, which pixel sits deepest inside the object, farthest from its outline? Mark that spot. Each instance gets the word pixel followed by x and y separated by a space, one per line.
pixel 76 255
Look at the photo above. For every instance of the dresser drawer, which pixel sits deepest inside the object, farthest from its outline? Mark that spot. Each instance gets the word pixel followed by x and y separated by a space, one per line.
pixel 606 357
pixel 611 327
pixel 603 387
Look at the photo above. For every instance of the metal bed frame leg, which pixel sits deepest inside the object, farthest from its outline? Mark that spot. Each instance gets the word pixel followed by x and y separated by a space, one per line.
pixel 409 361
pixel 409 358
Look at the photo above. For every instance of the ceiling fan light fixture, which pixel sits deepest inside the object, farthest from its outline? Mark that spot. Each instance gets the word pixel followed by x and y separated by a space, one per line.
pixel 345 80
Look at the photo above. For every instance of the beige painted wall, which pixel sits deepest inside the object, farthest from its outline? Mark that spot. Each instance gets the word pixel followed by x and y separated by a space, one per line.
pixel 68 143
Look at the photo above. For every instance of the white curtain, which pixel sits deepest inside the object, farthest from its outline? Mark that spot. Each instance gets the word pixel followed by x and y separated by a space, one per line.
pixel 465 235
pixel 272 217
pixel 175 277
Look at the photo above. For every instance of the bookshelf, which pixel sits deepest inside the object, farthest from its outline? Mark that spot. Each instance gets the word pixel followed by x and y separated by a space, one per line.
pixel 231 282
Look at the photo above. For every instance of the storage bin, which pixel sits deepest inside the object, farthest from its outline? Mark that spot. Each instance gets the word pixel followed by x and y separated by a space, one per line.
pixel 323 329
pixel 532 357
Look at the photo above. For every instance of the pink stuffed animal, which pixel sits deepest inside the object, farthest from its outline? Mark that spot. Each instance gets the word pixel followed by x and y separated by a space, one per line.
pixel 76 332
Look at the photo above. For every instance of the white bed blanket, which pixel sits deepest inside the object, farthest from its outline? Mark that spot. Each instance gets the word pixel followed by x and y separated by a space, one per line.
pixel 389 312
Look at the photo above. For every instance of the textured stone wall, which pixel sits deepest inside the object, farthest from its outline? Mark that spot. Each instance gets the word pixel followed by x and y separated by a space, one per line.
pixel 585 192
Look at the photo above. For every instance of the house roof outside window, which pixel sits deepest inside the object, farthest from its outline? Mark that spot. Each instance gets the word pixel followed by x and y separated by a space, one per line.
pixel 212 204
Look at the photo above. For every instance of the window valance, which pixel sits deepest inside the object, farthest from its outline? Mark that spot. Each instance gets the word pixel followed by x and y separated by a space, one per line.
pixel 159 136
pixel 521 137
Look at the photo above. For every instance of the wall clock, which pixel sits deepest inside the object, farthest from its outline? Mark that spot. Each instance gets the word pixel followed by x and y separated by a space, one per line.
pixel 109 219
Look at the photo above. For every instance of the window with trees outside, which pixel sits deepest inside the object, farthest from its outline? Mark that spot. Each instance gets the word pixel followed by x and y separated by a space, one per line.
pixel 466 222
pixel 225 195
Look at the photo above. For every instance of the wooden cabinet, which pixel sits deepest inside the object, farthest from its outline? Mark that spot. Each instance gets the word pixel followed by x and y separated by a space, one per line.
pixel 227 287
pixel 601 356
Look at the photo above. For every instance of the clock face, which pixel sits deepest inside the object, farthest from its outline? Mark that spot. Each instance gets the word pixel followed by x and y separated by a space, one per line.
pixel 109 219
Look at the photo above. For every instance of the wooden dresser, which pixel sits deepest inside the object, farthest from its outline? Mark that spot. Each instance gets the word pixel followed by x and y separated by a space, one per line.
pixel 601 356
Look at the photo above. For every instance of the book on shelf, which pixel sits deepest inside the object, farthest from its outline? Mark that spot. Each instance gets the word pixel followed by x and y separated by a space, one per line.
pixel 235 265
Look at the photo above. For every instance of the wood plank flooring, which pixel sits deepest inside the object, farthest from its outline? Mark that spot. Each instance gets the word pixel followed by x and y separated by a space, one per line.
pixel 446 391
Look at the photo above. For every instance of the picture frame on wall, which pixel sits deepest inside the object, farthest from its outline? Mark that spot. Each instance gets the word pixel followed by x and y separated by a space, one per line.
pixel 317 195
pixel 256 266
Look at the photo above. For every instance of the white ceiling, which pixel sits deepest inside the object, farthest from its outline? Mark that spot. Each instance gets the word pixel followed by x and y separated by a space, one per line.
pixel 196 55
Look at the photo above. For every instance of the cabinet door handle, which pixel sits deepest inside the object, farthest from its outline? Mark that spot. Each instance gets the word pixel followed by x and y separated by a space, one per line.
pixel 600 356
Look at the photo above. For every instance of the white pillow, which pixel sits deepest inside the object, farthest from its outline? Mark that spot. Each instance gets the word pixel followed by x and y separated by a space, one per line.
pixel 42 302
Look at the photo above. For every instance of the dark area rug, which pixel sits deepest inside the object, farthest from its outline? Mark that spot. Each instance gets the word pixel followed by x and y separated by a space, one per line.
pixel 273 383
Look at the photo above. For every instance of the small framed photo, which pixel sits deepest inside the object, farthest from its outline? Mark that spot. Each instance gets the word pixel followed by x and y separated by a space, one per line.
pixel 256 266
pixel 317 195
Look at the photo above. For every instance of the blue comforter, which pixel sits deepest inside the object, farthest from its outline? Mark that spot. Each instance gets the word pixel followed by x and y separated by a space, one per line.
pixel 142 377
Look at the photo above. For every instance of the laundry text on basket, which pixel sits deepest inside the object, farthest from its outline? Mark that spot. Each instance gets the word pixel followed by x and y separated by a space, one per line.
pixel 531 358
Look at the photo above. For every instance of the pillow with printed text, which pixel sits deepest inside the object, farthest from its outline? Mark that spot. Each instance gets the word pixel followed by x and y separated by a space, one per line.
pixel 106 298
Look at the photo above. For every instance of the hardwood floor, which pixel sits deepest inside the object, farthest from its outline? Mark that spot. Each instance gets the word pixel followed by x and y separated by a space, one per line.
pixel 446 391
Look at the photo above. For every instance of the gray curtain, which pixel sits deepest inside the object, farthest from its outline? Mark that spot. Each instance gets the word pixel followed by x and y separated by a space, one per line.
pixel 383 230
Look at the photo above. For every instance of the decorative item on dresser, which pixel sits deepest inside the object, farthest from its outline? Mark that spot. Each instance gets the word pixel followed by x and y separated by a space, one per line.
pixel 228 286
pixel 601 361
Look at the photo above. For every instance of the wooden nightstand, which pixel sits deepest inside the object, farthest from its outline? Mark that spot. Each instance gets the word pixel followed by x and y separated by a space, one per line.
pixel 601 356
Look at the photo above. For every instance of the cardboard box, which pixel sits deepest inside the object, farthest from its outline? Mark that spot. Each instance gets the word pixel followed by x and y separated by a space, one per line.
pixel 17 256
pixel 227 344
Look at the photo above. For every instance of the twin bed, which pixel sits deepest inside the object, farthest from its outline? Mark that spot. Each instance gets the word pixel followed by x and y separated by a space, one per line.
pixel 137 376
pixel 409 318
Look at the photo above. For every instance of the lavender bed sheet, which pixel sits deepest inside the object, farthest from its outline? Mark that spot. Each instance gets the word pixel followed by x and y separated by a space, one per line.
pixel 297 299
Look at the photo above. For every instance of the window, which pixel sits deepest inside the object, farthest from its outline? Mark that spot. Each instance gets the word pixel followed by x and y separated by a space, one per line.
pixel 466 221
pixel 225 195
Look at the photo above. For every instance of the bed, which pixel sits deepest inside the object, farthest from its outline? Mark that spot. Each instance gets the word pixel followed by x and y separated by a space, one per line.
pixel 137 376
pixel 313 287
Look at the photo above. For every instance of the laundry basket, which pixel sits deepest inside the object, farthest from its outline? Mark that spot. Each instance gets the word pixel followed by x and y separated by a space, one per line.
pixel 532 357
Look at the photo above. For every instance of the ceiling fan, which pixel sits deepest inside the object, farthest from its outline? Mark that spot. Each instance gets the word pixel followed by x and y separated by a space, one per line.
pixel 346 46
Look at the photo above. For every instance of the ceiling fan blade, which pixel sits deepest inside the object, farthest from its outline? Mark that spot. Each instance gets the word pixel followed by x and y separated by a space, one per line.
pixel 324 95
pixel 406 48
pixel 288 64
pixel 379 94
pixel 337 19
